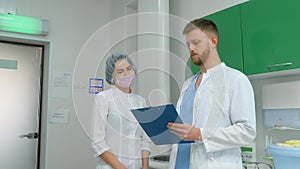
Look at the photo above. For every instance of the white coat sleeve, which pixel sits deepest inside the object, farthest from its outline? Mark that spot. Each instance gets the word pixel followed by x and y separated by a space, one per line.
pixel 145 143
pixel 241 116
pixel 99 122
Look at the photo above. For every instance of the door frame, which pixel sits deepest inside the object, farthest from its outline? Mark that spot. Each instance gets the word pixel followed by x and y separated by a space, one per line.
pixel 44 86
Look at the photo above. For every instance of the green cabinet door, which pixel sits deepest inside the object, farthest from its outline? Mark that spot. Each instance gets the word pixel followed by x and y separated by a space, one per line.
pixel 230 42
pixel 270 31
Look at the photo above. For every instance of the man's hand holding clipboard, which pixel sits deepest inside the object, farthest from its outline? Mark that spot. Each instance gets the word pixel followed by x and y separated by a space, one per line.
pixel 156 120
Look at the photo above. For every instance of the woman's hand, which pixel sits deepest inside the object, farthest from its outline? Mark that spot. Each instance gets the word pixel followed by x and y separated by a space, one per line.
pixel 185 131
pixel 145 159
pixel 110 159
pixel 145 167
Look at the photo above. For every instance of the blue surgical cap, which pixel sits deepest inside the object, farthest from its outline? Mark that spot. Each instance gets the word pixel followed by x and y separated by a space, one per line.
pixel 111 64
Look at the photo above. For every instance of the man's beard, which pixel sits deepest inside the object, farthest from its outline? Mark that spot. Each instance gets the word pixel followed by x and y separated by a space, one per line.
pixel 199 59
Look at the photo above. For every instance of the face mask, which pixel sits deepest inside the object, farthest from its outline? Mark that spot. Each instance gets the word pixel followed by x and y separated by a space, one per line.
pixel 125 81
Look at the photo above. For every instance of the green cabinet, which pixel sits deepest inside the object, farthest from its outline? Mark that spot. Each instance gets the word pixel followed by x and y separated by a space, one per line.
pixel 259 36
pixel 270 33
pixel 230 42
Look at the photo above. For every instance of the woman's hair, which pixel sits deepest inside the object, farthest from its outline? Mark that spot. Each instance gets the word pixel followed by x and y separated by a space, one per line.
pixel 111 64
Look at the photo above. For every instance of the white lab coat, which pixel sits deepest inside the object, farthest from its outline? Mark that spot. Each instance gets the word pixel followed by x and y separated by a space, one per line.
pixel 116 129
pixel 224 110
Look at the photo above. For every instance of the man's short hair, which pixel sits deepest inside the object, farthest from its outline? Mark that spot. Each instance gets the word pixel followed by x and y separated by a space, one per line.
pixel 205 25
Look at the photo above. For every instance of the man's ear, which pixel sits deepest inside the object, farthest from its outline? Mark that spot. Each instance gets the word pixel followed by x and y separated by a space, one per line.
pixel 214 41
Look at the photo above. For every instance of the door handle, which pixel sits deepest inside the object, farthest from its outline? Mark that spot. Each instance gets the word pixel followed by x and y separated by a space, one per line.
pixel 30 135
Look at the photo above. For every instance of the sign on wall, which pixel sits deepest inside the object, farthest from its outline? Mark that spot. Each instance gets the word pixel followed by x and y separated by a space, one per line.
pixel 95 85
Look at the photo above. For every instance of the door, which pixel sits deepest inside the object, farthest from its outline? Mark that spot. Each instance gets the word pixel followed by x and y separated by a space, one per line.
pixel 20 87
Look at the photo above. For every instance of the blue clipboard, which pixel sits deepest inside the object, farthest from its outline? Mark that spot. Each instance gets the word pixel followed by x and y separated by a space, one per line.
pixel 154 121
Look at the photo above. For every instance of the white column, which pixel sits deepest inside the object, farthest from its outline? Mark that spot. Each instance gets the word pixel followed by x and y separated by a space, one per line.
pixel 153 51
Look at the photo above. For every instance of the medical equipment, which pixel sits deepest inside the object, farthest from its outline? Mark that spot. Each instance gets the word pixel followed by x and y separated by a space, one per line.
pixel 256 165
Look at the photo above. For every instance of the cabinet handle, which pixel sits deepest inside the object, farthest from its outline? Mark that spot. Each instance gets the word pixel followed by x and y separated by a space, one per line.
pixel 280 64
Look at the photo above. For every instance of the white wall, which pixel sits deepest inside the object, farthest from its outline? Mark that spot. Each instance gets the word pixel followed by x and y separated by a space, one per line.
pixel 193 9
pixel 71 22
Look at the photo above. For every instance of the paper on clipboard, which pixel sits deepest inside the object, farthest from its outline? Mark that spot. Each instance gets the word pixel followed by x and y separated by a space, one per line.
pixel 154 121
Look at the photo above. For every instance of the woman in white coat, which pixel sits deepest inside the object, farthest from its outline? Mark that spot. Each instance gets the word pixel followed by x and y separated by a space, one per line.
pixel 222 106
pixel 118 141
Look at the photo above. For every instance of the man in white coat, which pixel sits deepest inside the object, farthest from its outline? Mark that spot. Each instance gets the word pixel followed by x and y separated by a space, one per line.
pixel 220 101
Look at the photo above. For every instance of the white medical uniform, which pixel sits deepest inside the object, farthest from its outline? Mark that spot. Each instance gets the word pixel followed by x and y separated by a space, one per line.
pixel 116 129
pixel 224 110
